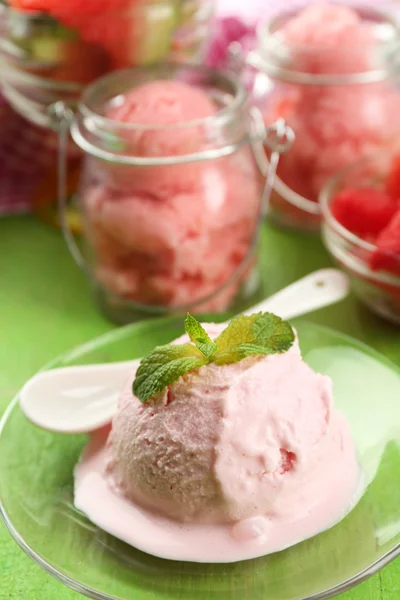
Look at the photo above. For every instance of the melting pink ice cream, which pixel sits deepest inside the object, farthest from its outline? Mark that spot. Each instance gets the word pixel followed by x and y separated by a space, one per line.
pixel 171 235
pixel 335 125
pixel 230 463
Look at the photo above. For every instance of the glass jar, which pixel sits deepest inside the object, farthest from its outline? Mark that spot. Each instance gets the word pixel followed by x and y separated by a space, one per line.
pixel 171 213
pixel 327 73
pixel 46 57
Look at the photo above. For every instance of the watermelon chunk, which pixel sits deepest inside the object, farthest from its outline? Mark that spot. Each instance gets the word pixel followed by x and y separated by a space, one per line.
pixel 393 179
pixel 387 255
pixel 363 211
pixel 133 32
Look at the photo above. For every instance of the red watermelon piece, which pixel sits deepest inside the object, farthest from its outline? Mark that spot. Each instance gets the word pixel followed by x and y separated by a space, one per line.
pixel 69 10
pixel 387 255
pixel 132 36
pixel 363 211
pixel 132 32
pixel 115 32
pixel 393 179
pixel 28 5
pixel 107 23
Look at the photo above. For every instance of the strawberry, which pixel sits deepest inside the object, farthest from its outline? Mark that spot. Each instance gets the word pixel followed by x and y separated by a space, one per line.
pixel 393 179
pixel 387 255
pixel 363 211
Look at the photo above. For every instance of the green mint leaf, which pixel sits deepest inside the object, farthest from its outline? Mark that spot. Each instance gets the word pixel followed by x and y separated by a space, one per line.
pixel 273 332
pixel 239 352
pixel 262 330
pixel 239 331
pixel 196 331
pixel 165 365
pixel 207 349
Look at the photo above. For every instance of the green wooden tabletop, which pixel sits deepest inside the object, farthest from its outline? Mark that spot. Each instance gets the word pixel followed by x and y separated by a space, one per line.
pixel 46 309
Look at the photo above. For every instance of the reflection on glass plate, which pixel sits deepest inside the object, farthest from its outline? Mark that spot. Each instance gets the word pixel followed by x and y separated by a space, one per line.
pixel 36 492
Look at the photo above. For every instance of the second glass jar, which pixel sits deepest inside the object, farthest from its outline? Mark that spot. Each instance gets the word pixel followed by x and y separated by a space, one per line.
pixel 330 74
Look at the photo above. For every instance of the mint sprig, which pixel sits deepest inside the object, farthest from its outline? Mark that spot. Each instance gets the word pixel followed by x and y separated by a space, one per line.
pixel 262 333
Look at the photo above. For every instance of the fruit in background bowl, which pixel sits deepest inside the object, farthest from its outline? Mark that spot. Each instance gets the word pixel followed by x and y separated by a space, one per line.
pixel 38 44
pixel 139 34
pixel 364 211
pixel 361 228
pixel 79 41
pixel 387 255
pixel 373 215
pixel 392 183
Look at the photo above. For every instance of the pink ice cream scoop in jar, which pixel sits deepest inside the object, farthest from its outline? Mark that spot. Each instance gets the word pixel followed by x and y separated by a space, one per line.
pixel 331 77
pixel 171 193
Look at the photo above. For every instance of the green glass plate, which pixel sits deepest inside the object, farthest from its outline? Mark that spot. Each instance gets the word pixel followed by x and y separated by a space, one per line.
pixel 36 491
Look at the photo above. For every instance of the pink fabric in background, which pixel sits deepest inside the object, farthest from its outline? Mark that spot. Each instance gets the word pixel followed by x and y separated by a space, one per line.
pixel 26 151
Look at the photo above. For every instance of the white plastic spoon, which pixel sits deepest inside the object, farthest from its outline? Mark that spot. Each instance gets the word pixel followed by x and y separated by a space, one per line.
pixel 84 398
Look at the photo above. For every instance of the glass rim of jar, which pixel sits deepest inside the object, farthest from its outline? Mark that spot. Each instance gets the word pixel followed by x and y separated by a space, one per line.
pixel 329 222
pixel 89 119
pixel 268 31
pixel 41 82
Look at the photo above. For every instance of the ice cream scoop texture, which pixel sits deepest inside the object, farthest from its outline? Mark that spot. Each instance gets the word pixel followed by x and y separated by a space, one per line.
pixel 227 443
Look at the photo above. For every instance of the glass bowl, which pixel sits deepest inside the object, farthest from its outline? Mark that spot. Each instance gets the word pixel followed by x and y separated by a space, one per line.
pixel 36 492
pixel 378 289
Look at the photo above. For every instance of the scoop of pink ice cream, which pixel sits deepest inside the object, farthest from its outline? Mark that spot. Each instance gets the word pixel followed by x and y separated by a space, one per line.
pixel 170 235
pixel 335 127
pixel 225 443
pixel 152 108
pixel 165 102
pixel 329 38
pixel 152 111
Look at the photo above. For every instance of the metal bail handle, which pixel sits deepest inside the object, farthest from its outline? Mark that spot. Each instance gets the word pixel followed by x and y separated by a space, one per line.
pixel 278 138
pixel 61 116
pixel 238 61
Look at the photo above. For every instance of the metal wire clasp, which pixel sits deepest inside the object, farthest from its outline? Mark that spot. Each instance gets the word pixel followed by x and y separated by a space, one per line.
pixel 60 116
pixel 278 138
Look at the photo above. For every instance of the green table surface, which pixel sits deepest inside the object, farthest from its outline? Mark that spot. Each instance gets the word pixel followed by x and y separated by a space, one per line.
pixel 46 308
